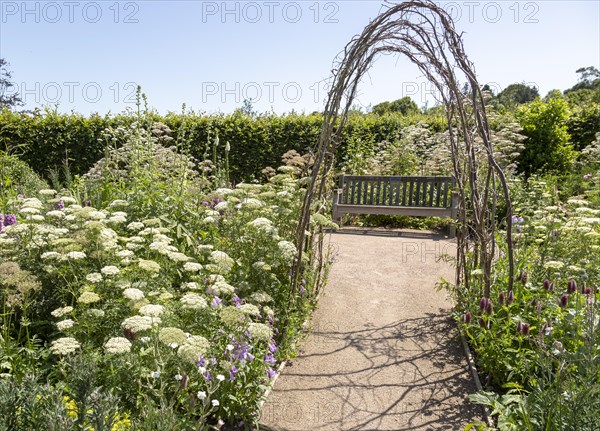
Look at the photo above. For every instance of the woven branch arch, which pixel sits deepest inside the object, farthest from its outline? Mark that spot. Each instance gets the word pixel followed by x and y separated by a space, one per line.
pixel 425 33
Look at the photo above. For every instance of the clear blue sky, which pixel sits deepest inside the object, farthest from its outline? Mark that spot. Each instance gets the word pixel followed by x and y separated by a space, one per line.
pixel 87 56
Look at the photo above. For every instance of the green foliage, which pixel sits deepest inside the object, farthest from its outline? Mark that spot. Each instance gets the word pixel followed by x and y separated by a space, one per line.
pixel 405 106
pixel 547 145
pixel 49 140
pixel 114 304
pixel 537 345
pixel 583 124
pixel 516 94
pixel 16 177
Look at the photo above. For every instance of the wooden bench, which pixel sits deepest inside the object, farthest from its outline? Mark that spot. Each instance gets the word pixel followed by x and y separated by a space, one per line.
pixel 409 196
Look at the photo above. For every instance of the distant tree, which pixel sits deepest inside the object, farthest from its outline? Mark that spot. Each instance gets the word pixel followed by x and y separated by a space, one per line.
pixel 583 124
pixel 547 146
pixel 247 108
pixel 11 100
pixel 517 94
pixel 405 106
pixel 589 79
pixel 553 94
pixel 487 88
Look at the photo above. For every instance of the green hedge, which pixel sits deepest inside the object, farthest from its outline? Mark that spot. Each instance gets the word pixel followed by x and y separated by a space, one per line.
pixel 46 140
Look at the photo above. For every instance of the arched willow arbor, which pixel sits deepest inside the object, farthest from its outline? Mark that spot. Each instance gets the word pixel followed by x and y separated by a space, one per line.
pixel 425 34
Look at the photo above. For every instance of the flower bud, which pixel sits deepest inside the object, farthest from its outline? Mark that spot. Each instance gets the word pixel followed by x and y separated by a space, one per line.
pixel 571 286
pixel 489 308
pixel 501 298
pixel 546 284
pixel 564 300
pixel 510 297
pixel 467 317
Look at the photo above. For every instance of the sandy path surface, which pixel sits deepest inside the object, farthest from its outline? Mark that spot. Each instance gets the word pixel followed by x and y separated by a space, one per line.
pixel 383 352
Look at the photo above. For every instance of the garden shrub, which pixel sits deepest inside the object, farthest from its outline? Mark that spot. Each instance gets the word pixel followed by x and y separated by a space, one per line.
pixel 17 178
pixel 49 139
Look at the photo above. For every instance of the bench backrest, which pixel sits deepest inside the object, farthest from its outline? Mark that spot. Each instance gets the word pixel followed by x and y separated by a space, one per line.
pixel 428 192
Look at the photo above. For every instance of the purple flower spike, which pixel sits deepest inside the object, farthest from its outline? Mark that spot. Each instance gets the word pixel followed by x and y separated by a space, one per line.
pixel 232 372
pixel 483 303
pixel 489 308
pixel 510 298
pixel 525 329
pixel 547 284
pixel 501 298
pixel 272 347
pixel 201 361
pixel 237 301
pixel 564 300
pixel 571 286
pixel 207 376
pixel 467 317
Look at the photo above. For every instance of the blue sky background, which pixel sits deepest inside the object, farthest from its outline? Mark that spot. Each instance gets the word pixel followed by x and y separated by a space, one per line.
pixel 88 56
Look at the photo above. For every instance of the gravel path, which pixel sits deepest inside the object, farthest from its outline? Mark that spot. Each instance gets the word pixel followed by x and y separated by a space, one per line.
pixel 382 353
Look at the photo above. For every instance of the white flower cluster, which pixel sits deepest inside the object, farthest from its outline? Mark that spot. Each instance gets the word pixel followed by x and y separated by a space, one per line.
pixel 222 260
pixel 193 301
pixel 64 346
pixel 260 331
pixel 287 250
pixel 59 312
pixel 117 345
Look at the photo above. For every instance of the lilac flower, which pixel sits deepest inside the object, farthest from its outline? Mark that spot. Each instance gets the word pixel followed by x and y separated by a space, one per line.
pixel 232 372
pixel 587 176
pixel 214 361
pixel 237 301
pixel 202 361
pixel 241 352
pixel 272 347
pixel 271 373
pixel 10 219
pixel 59 205
pixel 269 359
pixel 216 302
pixel 207 376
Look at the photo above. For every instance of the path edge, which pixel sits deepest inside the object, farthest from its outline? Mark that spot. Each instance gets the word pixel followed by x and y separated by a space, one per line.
pixel 471 364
